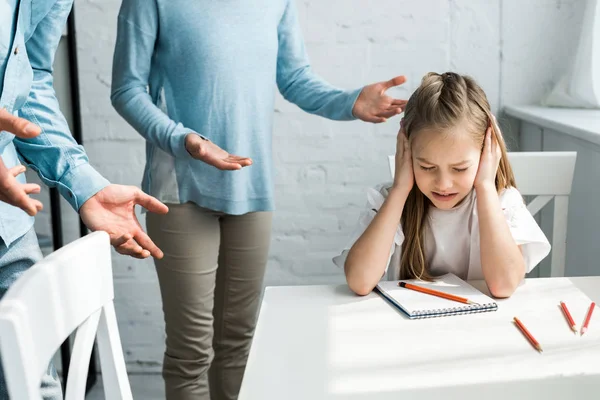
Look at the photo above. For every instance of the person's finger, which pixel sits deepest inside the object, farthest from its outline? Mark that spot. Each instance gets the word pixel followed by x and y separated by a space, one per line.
pixel 142 239
pixel 147 244
pixel 17 170
pixel 20 127
pixel 407 152
pixel 495 145
pixel 226 165
pixel 389 113
pixel 27 204
pixel 393 110
pixel 234 157
pixel 121 240
pixel 128 252
pixel 243 161
pixel 31 188
pixel 398 80
pixel 132 249
pixel 397 102
pixel 38 205
pixel 13 194
pixel 150 203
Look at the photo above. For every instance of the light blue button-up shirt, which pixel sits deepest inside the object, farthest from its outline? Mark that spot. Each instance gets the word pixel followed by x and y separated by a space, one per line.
pixel 30 31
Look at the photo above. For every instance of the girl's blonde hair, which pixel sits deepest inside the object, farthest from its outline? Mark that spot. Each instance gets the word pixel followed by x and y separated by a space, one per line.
pixel 441 102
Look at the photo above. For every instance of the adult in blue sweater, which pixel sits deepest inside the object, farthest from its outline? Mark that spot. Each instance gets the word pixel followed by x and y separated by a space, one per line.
pixel 196 78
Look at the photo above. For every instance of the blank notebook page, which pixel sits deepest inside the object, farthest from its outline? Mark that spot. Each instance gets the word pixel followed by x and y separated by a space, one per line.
pixel 421 305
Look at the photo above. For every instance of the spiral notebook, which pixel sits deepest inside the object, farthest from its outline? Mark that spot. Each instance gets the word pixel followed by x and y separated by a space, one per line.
pixel 418 305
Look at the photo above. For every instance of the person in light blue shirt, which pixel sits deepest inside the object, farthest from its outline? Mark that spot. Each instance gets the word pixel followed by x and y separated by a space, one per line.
pixel 197 79
pixel 34 132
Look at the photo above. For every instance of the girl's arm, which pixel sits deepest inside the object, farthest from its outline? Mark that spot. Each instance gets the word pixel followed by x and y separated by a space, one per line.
pixel 368 257
pixel 502 262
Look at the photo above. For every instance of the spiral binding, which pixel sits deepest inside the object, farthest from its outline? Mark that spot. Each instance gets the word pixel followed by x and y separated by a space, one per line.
pixel 468 309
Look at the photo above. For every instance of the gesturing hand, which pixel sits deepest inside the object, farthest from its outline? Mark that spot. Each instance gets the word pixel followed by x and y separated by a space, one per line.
pixel 11 190
pixel 374 105
pixel 113 210
pixel 205 150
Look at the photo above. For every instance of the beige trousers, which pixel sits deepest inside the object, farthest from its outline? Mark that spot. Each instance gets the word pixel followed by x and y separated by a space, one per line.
pixel 211 280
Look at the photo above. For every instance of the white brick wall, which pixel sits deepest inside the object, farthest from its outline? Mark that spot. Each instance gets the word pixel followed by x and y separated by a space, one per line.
pixel 515 49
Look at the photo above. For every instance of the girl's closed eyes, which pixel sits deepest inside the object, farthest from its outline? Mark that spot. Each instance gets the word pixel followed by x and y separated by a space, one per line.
pixel 424 168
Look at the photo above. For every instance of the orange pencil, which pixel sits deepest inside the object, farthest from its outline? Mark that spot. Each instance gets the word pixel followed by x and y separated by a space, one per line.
pixel 568 316
pixel 435 293
pixel 528 335
pixel 587 318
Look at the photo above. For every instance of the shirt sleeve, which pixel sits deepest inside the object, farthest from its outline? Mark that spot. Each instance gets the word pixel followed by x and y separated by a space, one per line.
pixel 524 229
pixel 296 80
pixel 54 155
pixel 137 29
pixel 375 198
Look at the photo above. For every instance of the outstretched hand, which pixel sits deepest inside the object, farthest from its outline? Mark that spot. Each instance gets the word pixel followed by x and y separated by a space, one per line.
pixel 11 190
pixel 374 105
pixel 207 151
pixel 113 210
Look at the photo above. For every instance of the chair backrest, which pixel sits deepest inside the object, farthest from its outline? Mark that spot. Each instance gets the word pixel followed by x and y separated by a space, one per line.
pixel 70 290
pixel 547 175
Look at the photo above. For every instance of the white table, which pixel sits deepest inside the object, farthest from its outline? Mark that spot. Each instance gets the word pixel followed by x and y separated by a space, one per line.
pixel 324 342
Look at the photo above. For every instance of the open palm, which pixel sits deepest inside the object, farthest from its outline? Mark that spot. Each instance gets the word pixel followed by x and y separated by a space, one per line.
pixel 208 152
pixel 113 210
pixel 374 105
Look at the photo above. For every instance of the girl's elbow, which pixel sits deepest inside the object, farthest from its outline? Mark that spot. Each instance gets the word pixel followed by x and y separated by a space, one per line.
pixel 501 292
pixel 504 289
pixel 360 288
pixel 358 284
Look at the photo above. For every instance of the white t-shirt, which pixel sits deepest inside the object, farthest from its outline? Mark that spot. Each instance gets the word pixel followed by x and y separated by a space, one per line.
pixel 452 236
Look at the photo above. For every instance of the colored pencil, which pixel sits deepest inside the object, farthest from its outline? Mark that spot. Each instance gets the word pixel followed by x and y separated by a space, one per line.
pixel 587 318
pixel 528 334
pixel 434 292
pixel 568 316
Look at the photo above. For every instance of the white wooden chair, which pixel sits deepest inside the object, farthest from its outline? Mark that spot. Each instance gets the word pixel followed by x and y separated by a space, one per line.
pixel 547 175
pixel 70 290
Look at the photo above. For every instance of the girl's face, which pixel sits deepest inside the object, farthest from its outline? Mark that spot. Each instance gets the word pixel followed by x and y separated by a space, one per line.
pixel 445 164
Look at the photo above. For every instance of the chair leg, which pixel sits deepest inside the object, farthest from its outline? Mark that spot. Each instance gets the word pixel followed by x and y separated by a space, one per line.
pixel 559 235
pixel 92 377
pixel 65 358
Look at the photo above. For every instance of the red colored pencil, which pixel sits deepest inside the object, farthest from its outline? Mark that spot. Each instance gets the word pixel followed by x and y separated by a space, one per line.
pixel 568 316
pixel 528 335
pixel 434 292
pixel 587 318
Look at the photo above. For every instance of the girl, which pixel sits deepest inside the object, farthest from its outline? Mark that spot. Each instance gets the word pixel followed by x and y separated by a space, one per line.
pixel 453 205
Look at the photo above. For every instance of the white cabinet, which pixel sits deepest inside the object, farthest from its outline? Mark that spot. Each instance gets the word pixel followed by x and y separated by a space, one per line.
pixel 558 129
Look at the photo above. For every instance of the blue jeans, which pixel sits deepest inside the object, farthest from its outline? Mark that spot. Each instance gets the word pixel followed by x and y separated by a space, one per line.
pixel 22 254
